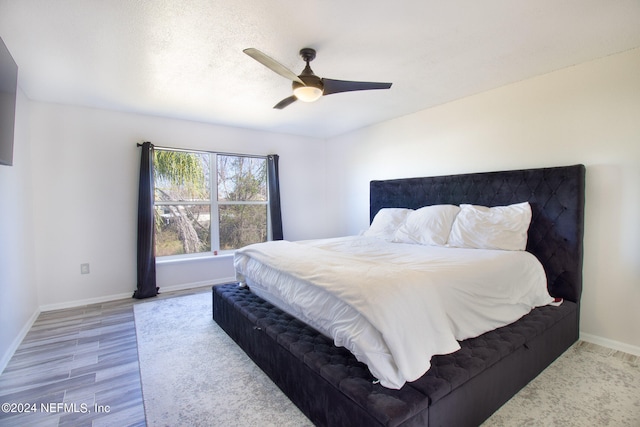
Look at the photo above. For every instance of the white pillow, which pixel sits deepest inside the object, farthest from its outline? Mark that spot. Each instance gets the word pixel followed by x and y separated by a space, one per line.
pixel 499 227
pixel 429 225
pixel 386 223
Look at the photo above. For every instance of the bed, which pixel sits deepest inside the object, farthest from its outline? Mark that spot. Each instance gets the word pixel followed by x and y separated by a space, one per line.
pixel 464 387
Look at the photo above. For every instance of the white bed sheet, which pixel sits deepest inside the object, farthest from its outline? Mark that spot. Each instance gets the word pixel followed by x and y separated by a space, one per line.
pixel 394 305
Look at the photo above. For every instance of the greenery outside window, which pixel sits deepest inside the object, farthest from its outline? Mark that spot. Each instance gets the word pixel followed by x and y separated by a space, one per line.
pixel 209 202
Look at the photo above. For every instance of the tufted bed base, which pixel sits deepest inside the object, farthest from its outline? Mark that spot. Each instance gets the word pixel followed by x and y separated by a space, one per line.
pixel 332 388
pixel 463 388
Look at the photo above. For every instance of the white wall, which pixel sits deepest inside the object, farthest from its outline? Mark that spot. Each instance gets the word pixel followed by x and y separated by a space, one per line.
pixel 586 114
pixel 85 176
pixel 18 295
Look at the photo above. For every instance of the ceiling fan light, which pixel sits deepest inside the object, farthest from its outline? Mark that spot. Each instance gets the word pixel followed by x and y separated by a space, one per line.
pixel 307 93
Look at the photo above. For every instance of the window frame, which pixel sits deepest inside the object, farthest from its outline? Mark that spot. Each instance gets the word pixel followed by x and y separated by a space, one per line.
pixel 214 203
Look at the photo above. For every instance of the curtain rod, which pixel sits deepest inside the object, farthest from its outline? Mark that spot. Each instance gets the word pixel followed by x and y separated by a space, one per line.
pixel 206 151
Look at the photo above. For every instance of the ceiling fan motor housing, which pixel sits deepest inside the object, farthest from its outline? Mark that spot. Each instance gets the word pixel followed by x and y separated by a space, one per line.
pixel 309 80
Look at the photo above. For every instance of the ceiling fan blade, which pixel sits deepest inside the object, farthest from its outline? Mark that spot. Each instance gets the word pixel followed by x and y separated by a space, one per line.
pixel 285 102
pixel 337 86
pixel 272 64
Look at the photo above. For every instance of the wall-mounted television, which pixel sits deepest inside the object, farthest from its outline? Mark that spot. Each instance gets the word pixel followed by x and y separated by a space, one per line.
pixel 8 89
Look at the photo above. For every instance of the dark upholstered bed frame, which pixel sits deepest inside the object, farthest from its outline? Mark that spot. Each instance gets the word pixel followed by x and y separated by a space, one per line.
pixel 463 388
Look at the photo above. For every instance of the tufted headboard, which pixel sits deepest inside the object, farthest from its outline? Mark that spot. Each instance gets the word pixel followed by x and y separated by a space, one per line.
pixel 556 196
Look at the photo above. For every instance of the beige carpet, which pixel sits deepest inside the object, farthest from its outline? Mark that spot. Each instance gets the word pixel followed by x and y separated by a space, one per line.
pixel 588 385
pixel 194 374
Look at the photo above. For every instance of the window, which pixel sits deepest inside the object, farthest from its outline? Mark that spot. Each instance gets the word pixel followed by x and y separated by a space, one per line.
pixel 208 202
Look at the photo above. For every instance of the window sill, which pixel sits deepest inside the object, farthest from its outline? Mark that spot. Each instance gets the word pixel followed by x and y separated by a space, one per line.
pixel 193 258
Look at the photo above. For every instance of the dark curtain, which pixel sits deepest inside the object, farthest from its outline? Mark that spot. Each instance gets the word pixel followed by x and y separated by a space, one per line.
pixel 146 237
pixel 274 197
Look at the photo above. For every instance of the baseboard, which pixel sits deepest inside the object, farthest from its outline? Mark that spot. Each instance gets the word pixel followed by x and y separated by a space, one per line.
pixel 6 357
pixel 109 298
pixel 82 302
pixel 614 345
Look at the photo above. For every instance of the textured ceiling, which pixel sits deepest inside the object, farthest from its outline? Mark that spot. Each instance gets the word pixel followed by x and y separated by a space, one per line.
pixel 184 59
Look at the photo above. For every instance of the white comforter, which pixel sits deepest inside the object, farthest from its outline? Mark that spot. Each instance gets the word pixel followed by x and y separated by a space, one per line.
pixel 394 305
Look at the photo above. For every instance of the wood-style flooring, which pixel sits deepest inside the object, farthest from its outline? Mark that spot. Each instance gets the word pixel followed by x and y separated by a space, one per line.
pixel 77 367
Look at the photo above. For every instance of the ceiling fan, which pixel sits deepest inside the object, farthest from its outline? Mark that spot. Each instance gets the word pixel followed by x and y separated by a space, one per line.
pixel 308 87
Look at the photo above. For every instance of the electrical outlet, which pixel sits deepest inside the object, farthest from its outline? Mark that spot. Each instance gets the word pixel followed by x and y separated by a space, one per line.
pixel 84 268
